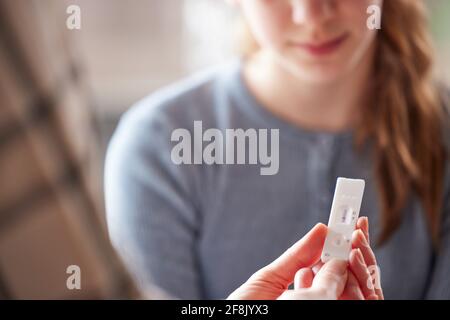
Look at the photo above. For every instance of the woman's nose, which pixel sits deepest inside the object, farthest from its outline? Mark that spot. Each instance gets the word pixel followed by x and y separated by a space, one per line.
pixel 311 11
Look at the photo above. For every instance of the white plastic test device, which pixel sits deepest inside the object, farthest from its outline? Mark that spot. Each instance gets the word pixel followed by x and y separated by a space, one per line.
pixel 343 217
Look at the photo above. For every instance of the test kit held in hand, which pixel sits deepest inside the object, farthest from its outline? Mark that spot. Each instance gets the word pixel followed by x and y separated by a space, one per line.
pixel 343 217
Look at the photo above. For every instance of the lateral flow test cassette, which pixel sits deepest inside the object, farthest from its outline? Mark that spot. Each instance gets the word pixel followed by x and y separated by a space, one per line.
pixel 343 217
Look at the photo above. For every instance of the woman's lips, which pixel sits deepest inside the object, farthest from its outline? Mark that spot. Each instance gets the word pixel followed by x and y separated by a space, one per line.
pixel 323 48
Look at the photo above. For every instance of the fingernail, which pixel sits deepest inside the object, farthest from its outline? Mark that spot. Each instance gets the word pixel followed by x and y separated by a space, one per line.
pixel 366 219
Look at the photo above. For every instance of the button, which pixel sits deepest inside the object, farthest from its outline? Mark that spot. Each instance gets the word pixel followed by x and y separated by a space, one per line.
pixel 327 143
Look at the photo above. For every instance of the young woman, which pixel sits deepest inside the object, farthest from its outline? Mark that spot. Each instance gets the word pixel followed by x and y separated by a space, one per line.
pixel 346 100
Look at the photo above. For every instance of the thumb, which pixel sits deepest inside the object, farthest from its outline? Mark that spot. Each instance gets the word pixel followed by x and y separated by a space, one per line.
pixel 272 280
pixel 304 253
pixel 331 278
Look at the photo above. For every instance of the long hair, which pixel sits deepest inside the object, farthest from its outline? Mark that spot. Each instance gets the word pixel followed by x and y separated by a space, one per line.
pixel 405 120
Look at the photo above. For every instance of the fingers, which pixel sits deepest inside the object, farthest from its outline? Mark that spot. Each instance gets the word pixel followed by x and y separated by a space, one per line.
pixel 369 256
pixel 362 275
pixel 304 294
pixel 359 241
pixel 363 225
pixel 304 253
pixel 331 279
pixel 303 278
pixel 352 291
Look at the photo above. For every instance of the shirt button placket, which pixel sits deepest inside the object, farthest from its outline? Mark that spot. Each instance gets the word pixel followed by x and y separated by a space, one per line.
pixel 326 152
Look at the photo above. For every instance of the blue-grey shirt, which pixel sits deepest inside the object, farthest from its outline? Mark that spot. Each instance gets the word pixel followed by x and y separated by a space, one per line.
pixel 199 230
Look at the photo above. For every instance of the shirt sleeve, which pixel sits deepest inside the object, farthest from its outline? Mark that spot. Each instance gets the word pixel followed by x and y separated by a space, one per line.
pixel 440 279
pixel 151 215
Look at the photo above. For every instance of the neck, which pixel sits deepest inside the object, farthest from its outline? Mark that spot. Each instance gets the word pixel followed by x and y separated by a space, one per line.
pixel 332 106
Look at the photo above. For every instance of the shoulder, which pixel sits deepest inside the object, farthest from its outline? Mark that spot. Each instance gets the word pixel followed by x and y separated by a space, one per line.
pixel 179 104
pixel 145 129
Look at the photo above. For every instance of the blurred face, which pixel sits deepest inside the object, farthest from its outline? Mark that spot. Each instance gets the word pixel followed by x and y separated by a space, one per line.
pixel 316 40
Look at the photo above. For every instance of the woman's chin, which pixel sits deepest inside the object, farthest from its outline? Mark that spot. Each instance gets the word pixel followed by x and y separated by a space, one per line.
pixel 320 74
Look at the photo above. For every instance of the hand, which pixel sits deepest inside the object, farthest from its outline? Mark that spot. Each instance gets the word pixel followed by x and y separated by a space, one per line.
pixel 361 241
pixel 360 283
pixel 328 284
pixel 314 280
pixel 272 281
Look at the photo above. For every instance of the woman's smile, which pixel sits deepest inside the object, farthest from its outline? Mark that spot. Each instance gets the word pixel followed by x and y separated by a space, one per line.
pixel 322 48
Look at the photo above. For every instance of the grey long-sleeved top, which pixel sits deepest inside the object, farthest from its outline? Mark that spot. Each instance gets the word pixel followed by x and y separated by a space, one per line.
pixel 199 231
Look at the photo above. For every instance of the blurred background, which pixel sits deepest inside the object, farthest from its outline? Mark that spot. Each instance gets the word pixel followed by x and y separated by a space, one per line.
pixel 62 93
